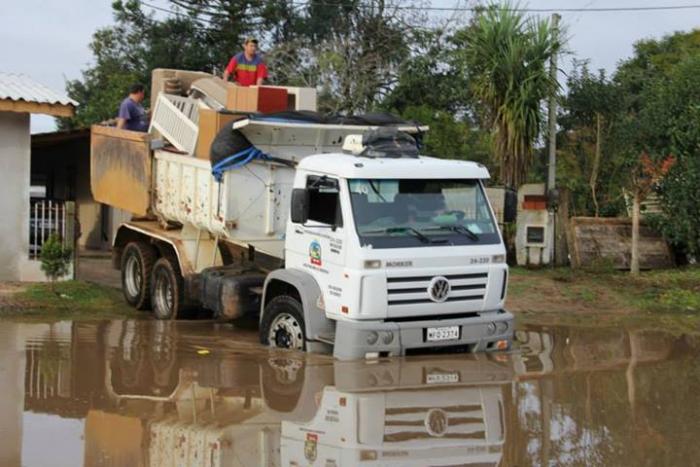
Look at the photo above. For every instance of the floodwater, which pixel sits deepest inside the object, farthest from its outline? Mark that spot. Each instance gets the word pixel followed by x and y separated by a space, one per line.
pixel 147 393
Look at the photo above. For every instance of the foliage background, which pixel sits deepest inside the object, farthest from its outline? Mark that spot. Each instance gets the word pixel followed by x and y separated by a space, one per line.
pixel 389 55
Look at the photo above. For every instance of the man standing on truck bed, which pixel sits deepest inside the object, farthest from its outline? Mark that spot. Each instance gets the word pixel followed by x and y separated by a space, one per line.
pixel 247 68
pixel 131 114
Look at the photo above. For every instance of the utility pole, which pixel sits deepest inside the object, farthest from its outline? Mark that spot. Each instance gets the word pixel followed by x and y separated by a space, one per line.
pixel 552 166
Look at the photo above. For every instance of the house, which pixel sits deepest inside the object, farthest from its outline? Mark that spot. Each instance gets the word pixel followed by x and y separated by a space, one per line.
pixel 60 172
pixel 20 96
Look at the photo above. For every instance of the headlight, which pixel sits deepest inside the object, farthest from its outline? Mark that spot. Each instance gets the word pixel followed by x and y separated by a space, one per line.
pixel 388 337
pixel 373 264
pixel 501 327
pixel 498 259
pixel 491 328
pixel 372 337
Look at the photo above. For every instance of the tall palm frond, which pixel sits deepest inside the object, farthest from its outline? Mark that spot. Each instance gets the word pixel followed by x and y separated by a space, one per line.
pixel 506 56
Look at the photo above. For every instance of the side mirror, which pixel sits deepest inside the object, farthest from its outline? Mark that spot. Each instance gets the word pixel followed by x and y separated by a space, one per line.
pixel 300 205
pixel 510 206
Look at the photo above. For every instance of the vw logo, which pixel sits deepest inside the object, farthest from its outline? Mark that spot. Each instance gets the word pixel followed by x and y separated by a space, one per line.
pixel 439 289
pixel 436 422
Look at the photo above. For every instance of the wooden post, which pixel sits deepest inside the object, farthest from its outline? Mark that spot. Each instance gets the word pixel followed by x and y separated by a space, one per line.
pixel 634 260
pixel 71 240
pixel 561 242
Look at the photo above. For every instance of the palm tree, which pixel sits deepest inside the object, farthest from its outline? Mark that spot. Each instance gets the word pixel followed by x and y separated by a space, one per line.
pixel 505 55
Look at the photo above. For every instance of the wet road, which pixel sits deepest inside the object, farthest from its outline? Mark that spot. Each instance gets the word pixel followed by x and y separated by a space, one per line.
pixel 146 393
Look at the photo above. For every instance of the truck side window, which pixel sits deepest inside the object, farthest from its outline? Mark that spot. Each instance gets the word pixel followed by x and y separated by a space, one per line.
pixel 324 200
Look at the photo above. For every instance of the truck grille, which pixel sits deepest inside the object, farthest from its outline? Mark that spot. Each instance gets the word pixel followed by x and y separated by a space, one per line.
pixel 463 422
pixel 414 290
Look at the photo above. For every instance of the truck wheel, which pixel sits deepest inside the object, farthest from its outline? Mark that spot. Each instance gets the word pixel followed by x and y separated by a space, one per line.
pixel 167 291
pixel 282 382
pixel 282 325
pixel 137 264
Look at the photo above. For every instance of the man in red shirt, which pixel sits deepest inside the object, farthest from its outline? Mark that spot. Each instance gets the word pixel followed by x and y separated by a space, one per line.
pixel 247 68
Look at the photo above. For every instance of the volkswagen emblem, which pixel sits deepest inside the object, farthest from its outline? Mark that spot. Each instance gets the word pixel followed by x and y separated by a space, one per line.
pixel 436 422
pixel 439 289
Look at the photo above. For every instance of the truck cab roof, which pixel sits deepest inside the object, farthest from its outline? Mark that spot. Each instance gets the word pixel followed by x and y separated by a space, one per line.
pixel 351 166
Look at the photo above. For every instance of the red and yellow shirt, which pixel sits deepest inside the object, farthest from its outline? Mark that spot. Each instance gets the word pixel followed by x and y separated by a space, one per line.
pixel 246 72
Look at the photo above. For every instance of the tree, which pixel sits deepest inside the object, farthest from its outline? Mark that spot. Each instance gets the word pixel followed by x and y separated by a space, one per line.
pixel 505 56
pixel 670 123
pixel 129 50
pixel 645 174
pixel 590 111
pixel 55 259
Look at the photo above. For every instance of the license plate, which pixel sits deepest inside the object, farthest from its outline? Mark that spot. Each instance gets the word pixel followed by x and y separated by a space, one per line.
pixel 446 333
pixel 441 378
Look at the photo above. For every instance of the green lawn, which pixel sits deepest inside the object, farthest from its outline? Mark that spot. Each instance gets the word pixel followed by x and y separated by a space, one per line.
pixel 69 300
pixel 670 298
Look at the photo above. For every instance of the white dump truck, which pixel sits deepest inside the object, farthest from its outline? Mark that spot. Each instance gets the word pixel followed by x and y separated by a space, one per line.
pixel 339 234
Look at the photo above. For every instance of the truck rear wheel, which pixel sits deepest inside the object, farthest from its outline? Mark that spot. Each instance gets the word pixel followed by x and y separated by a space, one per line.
pixel 137 263
pixel 282 325
pixel 167 291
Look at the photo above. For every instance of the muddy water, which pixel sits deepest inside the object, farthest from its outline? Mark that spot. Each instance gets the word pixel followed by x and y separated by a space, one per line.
pixel 144 393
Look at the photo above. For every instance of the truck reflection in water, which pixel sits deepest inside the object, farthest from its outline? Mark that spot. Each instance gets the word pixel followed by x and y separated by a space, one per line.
pixel 184 394
pixel 197 406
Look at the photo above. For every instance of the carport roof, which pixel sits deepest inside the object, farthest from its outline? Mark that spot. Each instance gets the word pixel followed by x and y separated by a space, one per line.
pixel 20 93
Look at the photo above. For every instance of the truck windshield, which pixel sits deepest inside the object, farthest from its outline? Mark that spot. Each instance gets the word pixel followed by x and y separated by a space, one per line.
pixel 421 212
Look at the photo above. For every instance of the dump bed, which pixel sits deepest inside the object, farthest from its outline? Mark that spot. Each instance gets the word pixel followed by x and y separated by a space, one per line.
pixel 249 205
pixel 120 168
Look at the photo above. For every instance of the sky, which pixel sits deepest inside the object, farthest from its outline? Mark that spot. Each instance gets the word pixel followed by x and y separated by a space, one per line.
pixel 50 42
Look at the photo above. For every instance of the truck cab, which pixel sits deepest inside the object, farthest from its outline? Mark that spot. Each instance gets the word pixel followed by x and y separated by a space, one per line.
pixel 405 254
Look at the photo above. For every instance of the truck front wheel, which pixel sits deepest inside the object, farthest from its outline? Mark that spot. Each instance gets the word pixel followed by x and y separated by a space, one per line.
pixel 167 290
pixel 136 266
pixel 282 325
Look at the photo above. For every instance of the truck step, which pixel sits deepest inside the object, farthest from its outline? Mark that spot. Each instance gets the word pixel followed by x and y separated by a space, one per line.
pixel 326 338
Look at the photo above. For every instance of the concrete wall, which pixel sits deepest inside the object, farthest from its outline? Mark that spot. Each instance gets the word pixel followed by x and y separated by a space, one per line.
pixel 14 193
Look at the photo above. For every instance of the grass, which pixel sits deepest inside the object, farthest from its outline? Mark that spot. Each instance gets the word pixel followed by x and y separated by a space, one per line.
pixel 538 296
pixel 73 300
pixel 670 298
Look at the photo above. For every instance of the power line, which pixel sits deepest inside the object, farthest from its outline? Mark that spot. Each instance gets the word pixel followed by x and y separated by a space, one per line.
pixel 449 9
pixel 524 10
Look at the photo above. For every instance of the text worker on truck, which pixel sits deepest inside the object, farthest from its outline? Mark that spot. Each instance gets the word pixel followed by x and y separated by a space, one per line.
pixel 247 68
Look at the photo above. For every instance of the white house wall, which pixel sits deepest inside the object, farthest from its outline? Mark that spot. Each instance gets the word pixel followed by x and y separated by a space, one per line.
pixel 15 150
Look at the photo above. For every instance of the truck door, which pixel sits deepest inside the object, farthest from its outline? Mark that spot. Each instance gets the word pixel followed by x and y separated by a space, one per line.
pixel 318 246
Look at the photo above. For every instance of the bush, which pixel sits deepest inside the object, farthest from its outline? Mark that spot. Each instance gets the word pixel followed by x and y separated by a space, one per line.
pixel 55 258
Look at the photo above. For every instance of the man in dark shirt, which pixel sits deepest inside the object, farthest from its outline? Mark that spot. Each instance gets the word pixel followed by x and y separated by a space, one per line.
pixel 131 114
pixel 247 68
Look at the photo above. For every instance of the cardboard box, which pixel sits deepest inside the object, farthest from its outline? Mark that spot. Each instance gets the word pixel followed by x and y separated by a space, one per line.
pixel 210 123
pixel 261 99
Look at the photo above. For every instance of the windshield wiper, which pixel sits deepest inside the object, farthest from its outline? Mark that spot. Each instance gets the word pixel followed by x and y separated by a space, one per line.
pixel 389 230
pixel 458 228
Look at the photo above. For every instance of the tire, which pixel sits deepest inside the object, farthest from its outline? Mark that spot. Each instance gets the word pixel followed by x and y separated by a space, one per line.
pixel 282 382
pixel 168 291
pixel 137 263
pixel 282 325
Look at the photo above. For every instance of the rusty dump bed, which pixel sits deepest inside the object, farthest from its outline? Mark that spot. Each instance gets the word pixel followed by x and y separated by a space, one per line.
pixel 120 168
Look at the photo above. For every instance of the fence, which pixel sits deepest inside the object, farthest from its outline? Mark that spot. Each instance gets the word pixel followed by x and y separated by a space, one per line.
pixel 49 217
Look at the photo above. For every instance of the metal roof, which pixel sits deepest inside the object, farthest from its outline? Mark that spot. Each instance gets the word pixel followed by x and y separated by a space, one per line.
pixel 20 87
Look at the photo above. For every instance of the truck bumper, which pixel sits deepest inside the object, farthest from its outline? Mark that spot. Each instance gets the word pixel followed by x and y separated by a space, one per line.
pixel 361 339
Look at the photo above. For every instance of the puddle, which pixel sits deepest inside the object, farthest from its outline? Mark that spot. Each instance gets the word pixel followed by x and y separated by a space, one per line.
pixel 129 393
